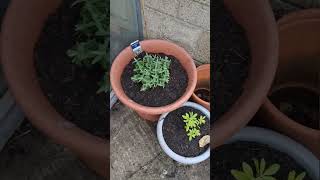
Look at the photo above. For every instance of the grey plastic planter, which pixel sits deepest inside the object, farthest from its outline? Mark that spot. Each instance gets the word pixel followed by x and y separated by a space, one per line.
pixel 10 117
pixel 169 152
pixel 113 99
pixel 283 144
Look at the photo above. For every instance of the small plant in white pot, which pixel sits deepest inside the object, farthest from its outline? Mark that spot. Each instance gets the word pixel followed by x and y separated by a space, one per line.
pixel 183 134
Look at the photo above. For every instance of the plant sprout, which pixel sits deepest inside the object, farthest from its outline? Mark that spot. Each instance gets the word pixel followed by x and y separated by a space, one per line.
pixel 292 176
pixel 261 171
pixel 192 124
pixel 93 42
pixel 152 71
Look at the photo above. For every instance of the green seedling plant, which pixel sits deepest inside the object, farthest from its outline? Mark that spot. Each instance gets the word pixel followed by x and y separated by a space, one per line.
pixel 262 172
pixel 292 175
pixel 192 124
pixel 151 71
pixel 92 33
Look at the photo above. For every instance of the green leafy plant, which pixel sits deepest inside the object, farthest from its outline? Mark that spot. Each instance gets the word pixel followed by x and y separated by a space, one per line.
pixel 92 43
pixel 192 124
pixel 292 175
pixel 151 71
pixel 261 171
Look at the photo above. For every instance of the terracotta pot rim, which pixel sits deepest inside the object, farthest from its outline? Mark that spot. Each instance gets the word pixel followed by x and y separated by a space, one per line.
pixel 203 66
pixel 269 112
pixel 261 32
pixel 297 22
pixel 299 16
pixel 293 19
pixel 154 110
pixel 294 85
pixel 194 96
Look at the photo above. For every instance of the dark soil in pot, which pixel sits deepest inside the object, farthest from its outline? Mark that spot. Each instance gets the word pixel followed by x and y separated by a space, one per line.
pixel 203 94
pixel 175 135
pixel 299 104
pixel 231 156
pixel 70 88
pixel 231 60
pixel 158 96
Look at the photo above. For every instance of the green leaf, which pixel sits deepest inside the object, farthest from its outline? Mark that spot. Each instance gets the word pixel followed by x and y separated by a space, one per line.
pixel 262 166
pixel 256 164
pixel 150 69
pixel 186 116
pixel 268 178
pixel 272 170
pixel 238 175
pixel 301 176
pixel 292 175
pixel 247 169
pixel 91 48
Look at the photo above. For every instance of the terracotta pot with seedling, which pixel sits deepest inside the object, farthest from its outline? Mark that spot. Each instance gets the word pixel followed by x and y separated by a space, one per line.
pixel 183 134
pixel 153 77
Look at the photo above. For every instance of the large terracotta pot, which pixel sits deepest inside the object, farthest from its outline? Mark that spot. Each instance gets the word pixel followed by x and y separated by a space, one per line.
pixel 21 28
pixel 203 83
pixel 299 67
pixel 153 46
pixel 257 19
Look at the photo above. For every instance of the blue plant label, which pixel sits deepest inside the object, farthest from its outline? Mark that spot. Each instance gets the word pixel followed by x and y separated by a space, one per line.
pixel 136 48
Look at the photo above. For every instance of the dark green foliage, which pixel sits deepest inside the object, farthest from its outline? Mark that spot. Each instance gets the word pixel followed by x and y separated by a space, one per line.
pixel 151 71
pixel 262 172
pixel 292 175
pixel 93 37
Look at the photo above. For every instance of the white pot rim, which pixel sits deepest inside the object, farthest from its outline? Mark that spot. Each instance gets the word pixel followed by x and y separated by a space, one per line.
pixel 169 152
pixel 283 144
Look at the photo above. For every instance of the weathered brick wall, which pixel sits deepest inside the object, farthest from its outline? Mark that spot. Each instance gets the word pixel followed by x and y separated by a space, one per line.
pixel 185 22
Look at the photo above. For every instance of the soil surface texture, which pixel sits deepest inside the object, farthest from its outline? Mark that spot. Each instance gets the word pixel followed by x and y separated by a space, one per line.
pixel 230 156
pixel 176 137
pixel 70 88
pixel 299 104
pixel 203 94
pixel 157 96
pixel 231 60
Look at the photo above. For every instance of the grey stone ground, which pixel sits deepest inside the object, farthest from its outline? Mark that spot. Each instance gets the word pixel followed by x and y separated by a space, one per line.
pixel 136 154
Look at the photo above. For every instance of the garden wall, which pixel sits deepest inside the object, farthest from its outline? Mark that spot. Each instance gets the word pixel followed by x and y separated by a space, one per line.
pixel 185 22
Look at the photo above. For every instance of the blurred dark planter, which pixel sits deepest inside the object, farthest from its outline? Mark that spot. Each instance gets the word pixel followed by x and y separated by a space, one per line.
pixel 260 27
pixel 281 143
pixel 299 67
pixel 21 28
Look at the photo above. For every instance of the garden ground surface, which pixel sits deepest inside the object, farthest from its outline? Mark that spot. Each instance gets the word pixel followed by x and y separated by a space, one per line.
pixel 137 155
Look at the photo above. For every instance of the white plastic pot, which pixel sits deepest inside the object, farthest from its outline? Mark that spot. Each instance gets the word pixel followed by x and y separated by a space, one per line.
pixel 169 152
pixel 283 144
